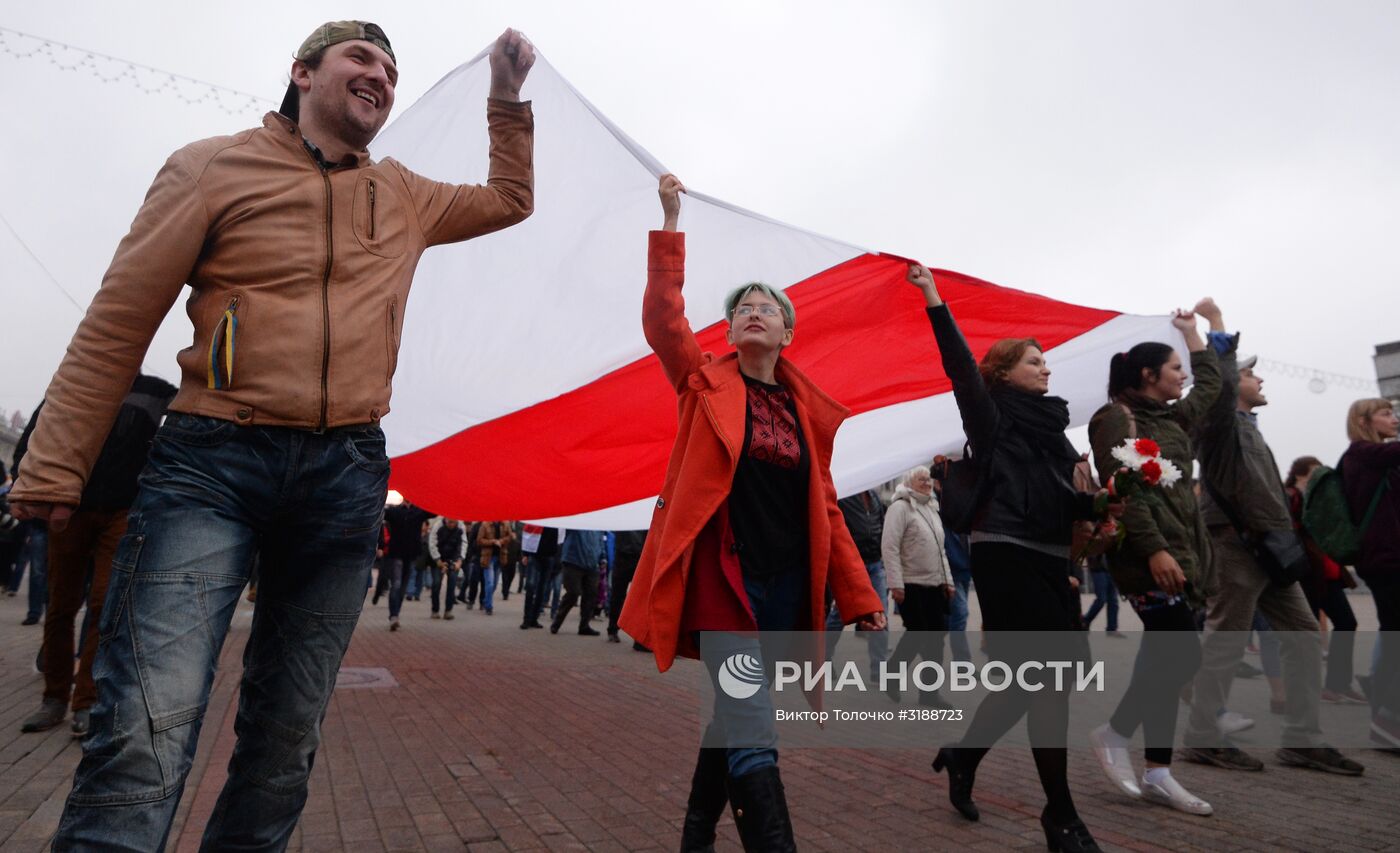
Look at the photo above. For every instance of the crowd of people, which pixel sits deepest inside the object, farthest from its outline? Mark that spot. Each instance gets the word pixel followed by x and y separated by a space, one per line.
pixel 466 563
pixel 748 546
pixel 275 479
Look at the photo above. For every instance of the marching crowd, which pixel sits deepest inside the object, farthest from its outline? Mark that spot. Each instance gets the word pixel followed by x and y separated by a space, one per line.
pixel 468 563
pixel 158 506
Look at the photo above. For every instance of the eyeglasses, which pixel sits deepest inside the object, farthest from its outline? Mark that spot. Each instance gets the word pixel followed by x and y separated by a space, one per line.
pixel 765 310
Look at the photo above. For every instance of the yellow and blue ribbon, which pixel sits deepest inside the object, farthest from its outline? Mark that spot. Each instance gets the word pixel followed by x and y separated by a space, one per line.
pixel 222 345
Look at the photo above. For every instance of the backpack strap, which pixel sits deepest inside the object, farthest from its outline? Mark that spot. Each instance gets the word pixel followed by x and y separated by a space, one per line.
pixel 1375 497
pixel 1375 502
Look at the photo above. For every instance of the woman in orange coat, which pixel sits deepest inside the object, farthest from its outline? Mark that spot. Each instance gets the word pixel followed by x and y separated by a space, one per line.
pixel 746 535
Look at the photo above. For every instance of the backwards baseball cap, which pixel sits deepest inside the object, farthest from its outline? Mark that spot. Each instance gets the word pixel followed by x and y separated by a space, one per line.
pixel 335 32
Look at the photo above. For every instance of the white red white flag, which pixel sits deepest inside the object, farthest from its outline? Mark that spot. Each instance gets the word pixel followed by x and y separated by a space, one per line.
pixel 525 389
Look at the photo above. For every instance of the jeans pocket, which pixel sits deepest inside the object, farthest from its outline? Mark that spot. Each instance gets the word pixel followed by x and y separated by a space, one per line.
pixel 197 430
pixel 119 586
pixel 366 449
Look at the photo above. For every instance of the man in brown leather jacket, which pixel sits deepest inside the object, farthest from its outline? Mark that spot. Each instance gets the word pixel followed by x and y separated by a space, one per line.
pixel 299 252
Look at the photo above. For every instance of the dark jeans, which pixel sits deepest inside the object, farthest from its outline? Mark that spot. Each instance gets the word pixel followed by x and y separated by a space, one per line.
pixel 394 567
pixel 507 578
pixel 211 495
pixel 438 574
pixel 381 582
pixel 1332 600
pixel 9 554
pixel 1164 665
pixel 625 568
pixel 538 584
pixel 579 583
pixel 471 580
pixel 1105 595
pixel 417 578
pixel 34 553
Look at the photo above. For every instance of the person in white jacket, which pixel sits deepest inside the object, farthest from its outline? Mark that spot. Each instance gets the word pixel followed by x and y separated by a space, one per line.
pixel 917 572
pixel 447 547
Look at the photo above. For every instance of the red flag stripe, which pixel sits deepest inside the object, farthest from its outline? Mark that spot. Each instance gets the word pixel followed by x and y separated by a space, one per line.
pixel 860 335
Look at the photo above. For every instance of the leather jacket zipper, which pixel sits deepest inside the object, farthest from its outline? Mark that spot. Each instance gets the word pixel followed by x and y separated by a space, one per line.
pixel 392 343
pixel 371 209
pixel 325 300
pixel 326 310
pixel 325 296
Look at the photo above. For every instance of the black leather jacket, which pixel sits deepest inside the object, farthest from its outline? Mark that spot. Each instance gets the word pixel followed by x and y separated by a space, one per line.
pixel 1028 489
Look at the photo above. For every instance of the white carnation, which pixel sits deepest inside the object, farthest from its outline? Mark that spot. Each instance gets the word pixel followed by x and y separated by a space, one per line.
pixel 1129 457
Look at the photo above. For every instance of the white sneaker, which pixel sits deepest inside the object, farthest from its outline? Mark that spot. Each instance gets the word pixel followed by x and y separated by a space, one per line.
pixel 1114 761
pixel 1231 722
pixel 1170 793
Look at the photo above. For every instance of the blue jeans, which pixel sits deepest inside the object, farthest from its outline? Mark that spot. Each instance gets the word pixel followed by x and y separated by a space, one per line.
pixel 211 495
pixel 35 553
pixel 488 583
pixel 396 567
pixel 414 587
pixel 539 580
pixel 957 617
pixel 1105 595
pixel 438 576
pixel 777 604
pixel 555 588
pixel 879 641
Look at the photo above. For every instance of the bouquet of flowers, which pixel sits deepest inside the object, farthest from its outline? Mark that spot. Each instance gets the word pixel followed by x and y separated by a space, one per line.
pixel 1142 468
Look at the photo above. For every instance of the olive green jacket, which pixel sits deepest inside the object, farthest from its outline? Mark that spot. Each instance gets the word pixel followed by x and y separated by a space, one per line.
pixel 1161 518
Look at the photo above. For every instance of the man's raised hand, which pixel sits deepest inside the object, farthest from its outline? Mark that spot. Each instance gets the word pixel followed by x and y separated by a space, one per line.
pixel 511 58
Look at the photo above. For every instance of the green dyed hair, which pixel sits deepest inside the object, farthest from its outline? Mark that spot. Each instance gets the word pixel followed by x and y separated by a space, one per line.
pixel 737 295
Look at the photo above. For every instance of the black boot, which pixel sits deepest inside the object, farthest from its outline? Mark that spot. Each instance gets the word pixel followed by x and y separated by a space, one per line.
pixel 760 811
pixel 1071 837
pixel 707 801
pixel 960 779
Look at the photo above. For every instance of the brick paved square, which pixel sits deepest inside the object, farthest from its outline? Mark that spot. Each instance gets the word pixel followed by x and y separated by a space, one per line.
pixel 483 737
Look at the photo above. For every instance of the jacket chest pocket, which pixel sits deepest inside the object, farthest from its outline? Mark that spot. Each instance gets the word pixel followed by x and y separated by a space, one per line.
pixel 379 217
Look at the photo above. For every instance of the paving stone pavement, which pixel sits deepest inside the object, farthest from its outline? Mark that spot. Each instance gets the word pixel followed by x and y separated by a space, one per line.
pixel 492 738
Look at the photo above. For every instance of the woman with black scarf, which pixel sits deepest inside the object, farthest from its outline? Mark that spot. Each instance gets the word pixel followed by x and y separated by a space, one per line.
pixel 1020 539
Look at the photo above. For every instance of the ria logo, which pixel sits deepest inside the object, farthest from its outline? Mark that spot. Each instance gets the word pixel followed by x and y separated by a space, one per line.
pixel 741 675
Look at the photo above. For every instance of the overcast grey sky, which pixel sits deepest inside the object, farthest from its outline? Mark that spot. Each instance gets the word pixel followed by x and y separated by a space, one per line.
pixel 1125 155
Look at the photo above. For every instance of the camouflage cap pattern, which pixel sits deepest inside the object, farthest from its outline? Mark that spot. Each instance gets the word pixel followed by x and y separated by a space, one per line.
pixel 335 32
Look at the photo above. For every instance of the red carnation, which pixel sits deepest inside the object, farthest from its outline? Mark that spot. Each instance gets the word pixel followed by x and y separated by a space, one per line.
pixel 1151 471
pixel 1147 447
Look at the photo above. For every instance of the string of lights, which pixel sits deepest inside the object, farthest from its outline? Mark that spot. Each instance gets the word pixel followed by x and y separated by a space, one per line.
pixel 155 81
pixel 118 71
pixel 1319 381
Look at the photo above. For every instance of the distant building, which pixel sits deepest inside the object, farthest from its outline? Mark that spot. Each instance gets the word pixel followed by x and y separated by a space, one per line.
pixel 1388 369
